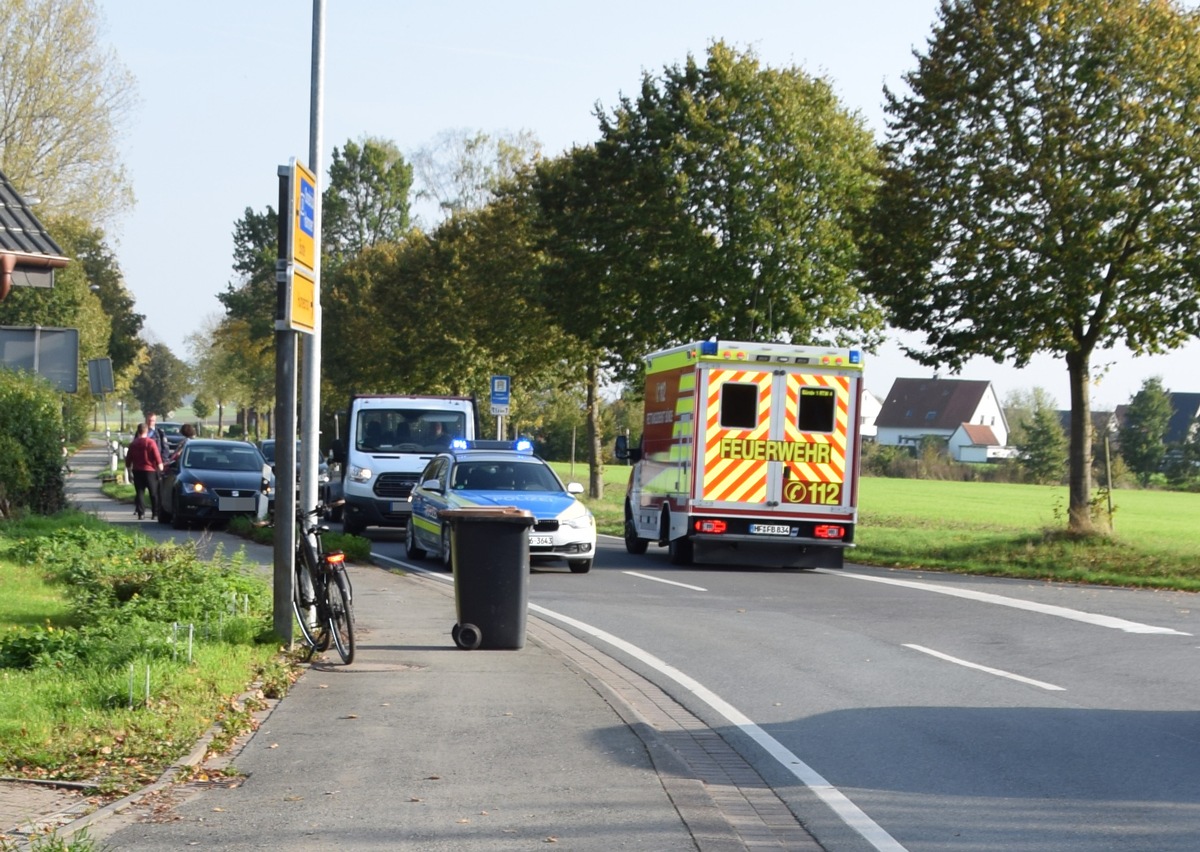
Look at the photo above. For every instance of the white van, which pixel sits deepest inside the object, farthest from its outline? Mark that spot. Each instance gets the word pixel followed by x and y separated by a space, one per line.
pixel 387 442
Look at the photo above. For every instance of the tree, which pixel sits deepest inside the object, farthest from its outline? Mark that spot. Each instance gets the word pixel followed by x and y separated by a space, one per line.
pixel 87 246
pixel 463 171
pixel 1044 444
pixel 1144 431
pixel 252 298
pixel 163 381
pixel 1041 191
pixel 366 202
pixel 63 101
pixel 719 203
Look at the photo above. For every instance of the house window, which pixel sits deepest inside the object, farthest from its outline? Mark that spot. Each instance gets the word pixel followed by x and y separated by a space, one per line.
pixel 817 409
pixel 931 415
pixel 739 406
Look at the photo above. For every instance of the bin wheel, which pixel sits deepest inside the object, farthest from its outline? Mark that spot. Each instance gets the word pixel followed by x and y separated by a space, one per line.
pixel 467 636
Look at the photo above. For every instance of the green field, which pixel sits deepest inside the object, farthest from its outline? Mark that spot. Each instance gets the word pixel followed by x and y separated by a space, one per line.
pixel 999 529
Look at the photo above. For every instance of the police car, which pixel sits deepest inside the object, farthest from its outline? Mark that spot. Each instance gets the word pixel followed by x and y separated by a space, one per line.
pixel 495 473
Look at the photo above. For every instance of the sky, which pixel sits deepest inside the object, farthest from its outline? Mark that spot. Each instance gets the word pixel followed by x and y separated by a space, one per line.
pixel 225 90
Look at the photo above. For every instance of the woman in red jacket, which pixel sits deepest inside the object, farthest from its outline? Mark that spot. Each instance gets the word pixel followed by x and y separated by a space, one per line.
pixel 144 461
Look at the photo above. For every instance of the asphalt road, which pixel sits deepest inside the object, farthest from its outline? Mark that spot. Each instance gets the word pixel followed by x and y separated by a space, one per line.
pixel 917 711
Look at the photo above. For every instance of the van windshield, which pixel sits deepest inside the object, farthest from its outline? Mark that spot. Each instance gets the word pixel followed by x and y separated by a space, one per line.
pixel 407 430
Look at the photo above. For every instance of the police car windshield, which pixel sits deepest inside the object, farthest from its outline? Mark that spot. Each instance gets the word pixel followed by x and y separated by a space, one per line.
pixel 407 430
pixel 503 476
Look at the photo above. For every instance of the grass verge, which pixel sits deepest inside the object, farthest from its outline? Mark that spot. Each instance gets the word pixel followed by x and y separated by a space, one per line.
pixel 121 652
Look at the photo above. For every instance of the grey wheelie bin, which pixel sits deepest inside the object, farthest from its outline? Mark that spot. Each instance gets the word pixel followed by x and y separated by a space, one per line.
pixel 489 549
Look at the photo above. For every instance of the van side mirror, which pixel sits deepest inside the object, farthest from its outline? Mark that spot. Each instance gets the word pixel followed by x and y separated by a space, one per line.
pixel 623 451
pixel 337 452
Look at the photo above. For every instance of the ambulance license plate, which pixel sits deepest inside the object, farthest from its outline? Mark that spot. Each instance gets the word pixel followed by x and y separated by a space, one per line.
pixel 541 541
pixel 770 529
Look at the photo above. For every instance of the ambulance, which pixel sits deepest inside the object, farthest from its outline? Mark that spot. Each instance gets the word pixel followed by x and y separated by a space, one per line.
pixel 749 455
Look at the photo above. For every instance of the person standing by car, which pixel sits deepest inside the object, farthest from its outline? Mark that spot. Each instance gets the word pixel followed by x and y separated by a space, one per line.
pixel 188 431
pixel 159 437
pixel 145 463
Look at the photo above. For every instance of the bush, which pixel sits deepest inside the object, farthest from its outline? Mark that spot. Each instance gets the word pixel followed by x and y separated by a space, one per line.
pixel 31 457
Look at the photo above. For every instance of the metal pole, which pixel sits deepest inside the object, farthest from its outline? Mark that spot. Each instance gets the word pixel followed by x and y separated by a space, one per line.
pixel 285 450
pixel 311 401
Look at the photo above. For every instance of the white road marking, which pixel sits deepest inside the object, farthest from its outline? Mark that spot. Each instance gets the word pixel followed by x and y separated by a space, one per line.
pixel 668 582
pixel 1017 603
pixel 834 798
pixel 988 669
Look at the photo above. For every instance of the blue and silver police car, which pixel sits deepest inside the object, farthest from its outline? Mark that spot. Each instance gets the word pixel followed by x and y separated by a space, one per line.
pixel 494 473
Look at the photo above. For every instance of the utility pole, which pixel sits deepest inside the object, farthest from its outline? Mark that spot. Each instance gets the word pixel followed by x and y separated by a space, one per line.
pixel 310 415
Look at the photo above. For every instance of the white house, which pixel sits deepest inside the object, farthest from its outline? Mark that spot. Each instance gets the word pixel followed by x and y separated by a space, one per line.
pixel 915 408
pixel 869 407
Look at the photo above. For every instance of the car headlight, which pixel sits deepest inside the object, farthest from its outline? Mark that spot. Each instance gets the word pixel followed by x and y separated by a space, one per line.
pixel 360 474
pixel 577 517
pixel 197 488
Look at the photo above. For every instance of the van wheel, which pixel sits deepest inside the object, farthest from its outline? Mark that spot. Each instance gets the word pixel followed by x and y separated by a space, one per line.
pixel 352 527
pixel 679 551
pixel 633 544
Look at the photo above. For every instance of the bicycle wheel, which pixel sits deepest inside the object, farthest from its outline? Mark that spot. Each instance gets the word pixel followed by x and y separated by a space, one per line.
pixel 304 592
pixel 341 616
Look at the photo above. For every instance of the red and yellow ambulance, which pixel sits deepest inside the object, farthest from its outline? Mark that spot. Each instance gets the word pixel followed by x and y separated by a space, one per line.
pixel 749 455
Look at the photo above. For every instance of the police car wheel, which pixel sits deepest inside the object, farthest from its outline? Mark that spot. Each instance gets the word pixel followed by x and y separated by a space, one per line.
pixel 447 556
pixel 410 543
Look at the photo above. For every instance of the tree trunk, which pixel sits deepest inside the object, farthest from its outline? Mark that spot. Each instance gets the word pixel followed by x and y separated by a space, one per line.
pixel 595 451
pixel 1080 478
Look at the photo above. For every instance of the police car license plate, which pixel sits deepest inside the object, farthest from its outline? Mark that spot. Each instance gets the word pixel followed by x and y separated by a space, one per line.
pixel 770 529
pixel 541 541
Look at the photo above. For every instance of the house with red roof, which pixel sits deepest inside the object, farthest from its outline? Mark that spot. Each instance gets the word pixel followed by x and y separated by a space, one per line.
pixel 965 414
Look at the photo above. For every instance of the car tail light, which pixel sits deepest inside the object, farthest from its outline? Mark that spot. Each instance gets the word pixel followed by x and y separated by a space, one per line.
pixel 829 531
pixel 712 526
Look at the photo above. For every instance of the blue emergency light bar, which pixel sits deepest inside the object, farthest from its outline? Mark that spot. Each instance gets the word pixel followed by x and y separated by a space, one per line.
pixel 521 445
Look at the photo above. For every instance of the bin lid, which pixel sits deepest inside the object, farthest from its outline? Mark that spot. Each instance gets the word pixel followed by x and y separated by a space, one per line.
pixel 488 513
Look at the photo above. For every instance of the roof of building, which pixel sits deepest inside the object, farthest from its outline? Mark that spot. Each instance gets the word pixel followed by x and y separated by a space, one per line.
pixel 1185 407
pixel 931 403
pixel 980 436
pixel 20 231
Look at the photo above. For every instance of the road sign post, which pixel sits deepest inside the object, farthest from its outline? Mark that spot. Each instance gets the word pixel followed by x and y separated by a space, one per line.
pixel 501 389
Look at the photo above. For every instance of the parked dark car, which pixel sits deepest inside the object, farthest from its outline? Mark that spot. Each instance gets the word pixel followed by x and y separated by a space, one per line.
pixel 214 481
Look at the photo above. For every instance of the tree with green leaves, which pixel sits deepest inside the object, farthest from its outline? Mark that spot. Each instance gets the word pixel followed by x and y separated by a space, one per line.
pixel 718 203
pixel 1143 434
pixel 1041 191
pixel 64 100
pixel 163 381
pixel 463 170
pixel 87 246
pixel 1044 444
pixel 366 202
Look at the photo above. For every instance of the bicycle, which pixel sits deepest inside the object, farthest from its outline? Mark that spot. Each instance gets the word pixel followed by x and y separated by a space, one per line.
pixel 321 591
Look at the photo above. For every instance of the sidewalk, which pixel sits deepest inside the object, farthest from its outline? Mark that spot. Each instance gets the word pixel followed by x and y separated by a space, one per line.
pixel 421 746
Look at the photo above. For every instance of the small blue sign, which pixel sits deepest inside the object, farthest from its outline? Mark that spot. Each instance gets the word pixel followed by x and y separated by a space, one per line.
pixel 308 215
pixel 500 390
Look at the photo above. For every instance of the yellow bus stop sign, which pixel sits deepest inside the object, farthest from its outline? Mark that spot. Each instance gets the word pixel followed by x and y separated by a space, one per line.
pixel 304 196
